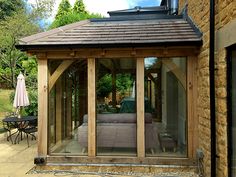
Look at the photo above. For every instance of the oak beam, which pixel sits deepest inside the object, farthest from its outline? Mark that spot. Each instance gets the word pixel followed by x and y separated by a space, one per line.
pixel 69 108
pixel 91 108
pixel 60 69
pixel 42 107
pixel 140 107
pixel 120 52
pixel 59 110
pixel 152 78
pixel 192 106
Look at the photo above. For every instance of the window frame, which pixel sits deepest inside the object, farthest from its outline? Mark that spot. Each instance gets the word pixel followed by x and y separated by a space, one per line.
pixel 229 106
pixel 192 121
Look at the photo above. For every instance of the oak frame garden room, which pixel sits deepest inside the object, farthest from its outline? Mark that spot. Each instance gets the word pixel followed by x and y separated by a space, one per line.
pixel 118 90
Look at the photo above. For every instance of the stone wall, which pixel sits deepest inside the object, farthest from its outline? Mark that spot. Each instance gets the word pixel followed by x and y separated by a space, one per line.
pixel 199 13
pixel 221 113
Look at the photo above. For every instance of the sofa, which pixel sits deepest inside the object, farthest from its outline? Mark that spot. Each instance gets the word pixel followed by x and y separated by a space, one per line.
pixel 118 130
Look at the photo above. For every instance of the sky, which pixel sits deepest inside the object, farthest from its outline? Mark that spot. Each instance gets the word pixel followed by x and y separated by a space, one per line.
pixel 103 6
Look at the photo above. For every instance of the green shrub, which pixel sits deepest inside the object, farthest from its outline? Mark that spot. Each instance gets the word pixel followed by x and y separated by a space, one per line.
pixel 32 109
pixel 72 17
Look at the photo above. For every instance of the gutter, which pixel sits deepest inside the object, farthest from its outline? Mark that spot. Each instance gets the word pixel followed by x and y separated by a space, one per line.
pixel 212 88
pixel 25 47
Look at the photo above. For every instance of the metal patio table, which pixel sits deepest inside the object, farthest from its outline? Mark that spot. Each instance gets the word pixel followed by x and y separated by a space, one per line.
pixel 20 124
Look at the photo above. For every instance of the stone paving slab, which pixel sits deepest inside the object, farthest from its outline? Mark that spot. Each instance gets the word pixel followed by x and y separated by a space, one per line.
pixel 16 160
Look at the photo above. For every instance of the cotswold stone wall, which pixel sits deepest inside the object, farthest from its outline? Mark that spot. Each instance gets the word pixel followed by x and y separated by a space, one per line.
pixel 221 113
pixel 199 13
pixel 225 14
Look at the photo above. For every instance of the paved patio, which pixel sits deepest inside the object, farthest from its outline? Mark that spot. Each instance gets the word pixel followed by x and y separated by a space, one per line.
pixel 16 160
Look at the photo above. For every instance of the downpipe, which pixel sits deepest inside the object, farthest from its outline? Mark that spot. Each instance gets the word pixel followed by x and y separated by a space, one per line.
pixel 212 88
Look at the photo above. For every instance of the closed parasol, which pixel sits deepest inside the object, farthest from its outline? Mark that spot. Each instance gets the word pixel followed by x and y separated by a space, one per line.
pixel 21 96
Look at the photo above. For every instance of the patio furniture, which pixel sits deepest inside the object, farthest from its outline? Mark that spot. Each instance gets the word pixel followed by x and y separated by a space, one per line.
pixel 128 105
pixel 20 124
pixel 30 129
pixel 8 125
pixel 118 130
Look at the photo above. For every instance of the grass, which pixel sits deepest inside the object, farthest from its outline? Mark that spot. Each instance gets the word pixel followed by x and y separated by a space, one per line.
pixel 5 105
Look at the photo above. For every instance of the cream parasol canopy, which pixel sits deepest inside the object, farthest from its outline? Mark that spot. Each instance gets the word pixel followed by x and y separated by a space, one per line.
pixel 21 97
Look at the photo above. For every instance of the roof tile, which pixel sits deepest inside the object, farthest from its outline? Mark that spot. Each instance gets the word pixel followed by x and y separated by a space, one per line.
pixel 119 32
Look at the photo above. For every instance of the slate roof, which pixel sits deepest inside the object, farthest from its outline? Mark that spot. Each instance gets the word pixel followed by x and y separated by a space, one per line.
pixel 117 32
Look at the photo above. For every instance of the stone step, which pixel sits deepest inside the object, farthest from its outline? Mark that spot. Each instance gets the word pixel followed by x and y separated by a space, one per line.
pixel 118 169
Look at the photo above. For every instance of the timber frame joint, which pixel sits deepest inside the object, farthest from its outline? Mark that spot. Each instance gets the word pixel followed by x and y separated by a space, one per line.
pixel 73 54
pixel 133 52
pixel 41 55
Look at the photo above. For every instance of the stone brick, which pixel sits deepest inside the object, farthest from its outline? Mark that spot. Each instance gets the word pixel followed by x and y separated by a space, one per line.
pixel 221 105
pixel 204 92
pixel 221 118
pixel 221 132
pixel 225 13
pixel 221 70
pixel 203 121
pixel 220 82
pixel 221 92
pixel 204 63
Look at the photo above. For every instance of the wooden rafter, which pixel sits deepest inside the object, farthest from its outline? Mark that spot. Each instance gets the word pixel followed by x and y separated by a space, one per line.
pixel 152 78
pixel 115 53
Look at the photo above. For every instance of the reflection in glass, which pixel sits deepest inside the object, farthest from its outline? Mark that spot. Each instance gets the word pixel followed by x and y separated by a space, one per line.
pixel 165 90
pixel 116 107
pixel 67 107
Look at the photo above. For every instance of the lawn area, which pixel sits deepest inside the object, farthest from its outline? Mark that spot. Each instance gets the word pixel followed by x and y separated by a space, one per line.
pixel 5 105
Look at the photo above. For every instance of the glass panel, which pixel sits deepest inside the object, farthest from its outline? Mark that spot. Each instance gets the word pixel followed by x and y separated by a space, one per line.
pixel 116 107
pixel 234 113
pixel 67 107
pixel 165 107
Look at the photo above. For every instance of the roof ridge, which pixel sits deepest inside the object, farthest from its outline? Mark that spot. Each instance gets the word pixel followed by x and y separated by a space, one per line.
pixel 27 39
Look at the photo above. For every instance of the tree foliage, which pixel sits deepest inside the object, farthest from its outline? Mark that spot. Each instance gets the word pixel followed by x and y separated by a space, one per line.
pixel 71 18
pixel 79 7
pixel 104 85
pixel 8 7
pixel 23 20
pixel 19 19
pixel 124 82
pixel 40 10
pixel 63 9
pixel 11 29
pixel 71 15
